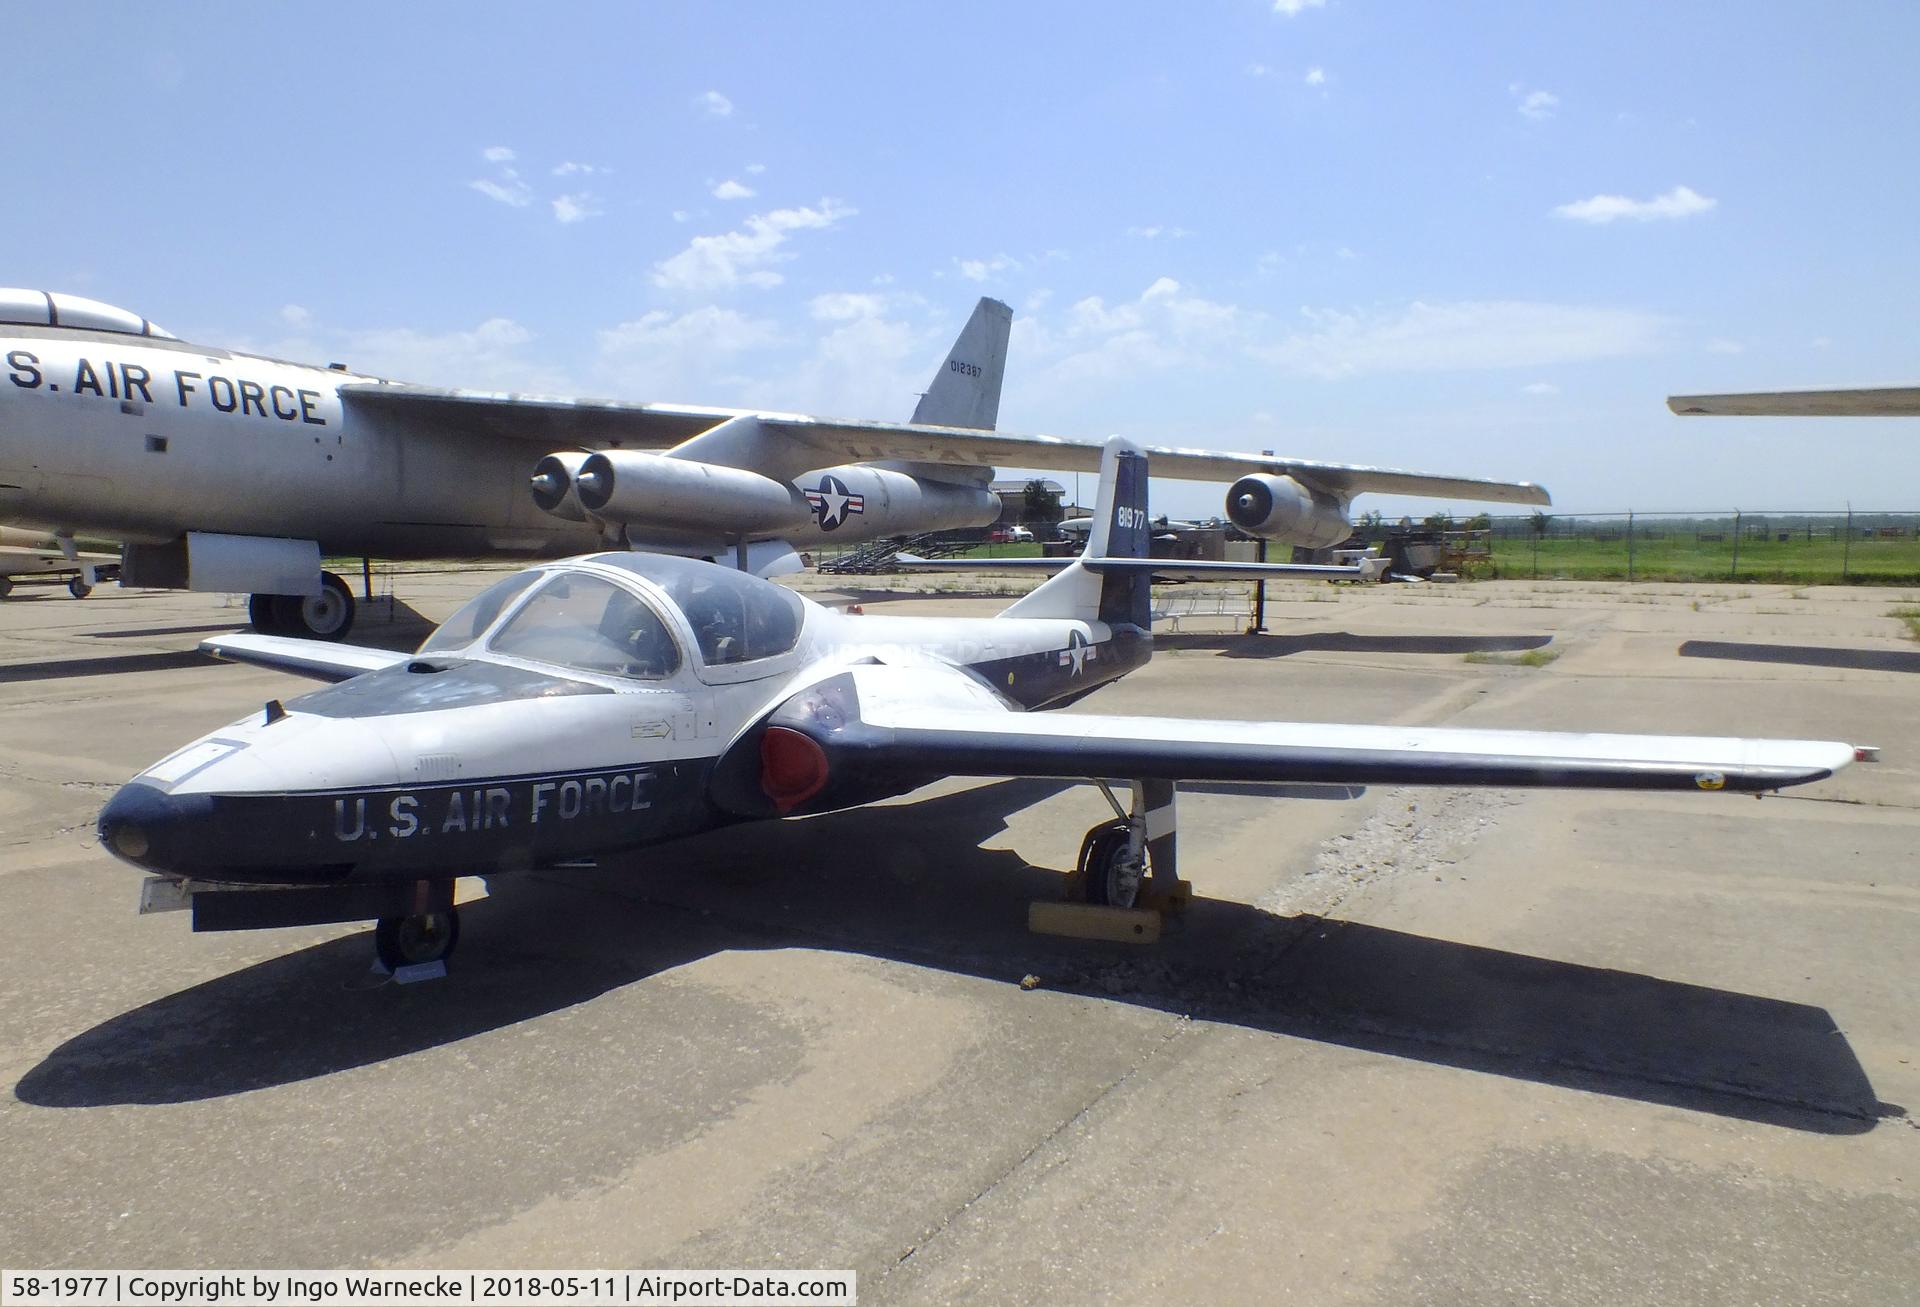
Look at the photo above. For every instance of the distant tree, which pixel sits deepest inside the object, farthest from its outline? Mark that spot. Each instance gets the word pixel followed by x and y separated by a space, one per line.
pixel 1439 521
pixel 1480 522
pixel 1539 522
pixel 1372 522
pixel 1042 505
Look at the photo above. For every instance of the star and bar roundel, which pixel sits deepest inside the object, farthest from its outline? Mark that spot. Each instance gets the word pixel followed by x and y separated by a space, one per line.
pixel 832 502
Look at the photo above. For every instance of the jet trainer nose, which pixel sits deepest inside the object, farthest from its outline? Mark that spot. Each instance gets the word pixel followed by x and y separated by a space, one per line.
pixel 157 831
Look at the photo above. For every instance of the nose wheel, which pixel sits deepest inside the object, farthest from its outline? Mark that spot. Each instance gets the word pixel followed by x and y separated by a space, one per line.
pixel 416 941
pixel 1130 861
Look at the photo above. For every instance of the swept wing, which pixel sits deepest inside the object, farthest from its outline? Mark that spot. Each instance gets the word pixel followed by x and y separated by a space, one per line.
pixel 1860 401
pixel 790 443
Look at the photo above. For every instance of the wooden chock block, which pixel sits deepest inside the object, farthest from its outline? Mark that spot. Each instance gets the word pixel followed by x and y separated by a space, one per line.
pixel 1091 921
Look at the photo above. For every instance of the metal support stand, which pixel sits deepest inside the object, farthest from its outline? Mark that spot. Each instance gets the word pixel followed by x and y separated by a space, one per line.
pixel 1259 626
pixel 366 578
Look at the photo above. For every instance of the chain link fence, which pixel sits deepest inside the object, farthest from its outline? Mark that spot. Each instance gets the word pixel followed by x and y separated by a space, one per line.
pixel 1804 548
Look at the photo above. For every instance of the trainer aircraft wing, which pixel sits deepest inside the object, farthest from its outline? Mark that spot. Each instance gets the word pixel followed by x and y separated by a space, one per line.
pixel 876 720
pixel 791 443
pixel 321 660
pixel 1862 401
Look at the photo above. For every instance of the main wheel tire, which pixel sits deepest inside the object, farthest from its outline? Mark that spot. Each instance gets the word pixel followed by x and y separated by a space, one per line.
pixel 325 616
pixel 1106 877
pixel 409 941
pixel 6 586
pixel 78 588
pixel 263 613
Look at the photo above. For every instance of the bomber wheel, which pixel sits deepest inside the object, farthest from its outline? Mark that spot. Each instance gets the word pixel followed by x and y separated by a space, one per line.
pixel 325 616
pixel 263 613
pixel 409 941
pixel 6 586
pixel 1110 876
pixel 79 588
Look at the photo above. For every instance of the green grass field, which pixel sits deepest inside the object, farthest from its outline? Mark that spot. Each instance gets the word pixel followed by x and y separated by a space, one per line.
pixel 1682 556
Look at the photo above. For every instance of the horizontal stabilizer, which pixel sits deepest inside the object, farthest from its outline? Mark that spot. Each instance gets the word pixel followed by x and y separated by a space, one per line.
pixel 1161 569
pixel 319 659
pixel 1864 401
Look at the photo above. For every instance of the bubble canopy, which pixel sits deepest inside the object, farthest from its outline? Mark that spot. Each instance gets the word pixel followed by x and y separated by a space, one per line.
pixel 40 308
pixel 576 618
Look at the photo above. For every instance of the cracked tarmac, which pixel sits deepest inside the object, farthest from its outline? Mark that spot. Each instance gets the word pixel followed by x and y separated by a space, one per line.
pixel 1408 1046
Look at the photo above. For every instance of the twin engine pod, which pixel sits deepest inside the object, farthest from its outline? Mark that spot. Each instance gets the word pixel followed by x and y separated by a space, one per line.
pixel 671 493
pixel 1280 508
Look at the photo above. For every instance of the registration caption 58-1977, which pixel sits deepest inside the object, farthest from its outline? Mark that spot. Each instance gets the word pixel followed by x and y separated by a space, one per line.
pixel 595 1288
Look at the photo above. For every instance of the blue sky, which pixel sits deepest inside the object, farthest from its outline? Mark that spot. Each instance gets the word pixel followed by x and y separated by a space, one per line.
pixel 1474 238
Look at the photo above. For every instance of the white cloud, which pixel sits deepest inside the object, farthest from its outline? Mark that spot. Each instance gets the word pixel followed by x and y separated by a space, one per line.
pixel 1540 388
pixel 844 306
pixel 708 330
pixel 681 215
pixel 1721 345
pixel 295 315
pixel 508 190
pixel 1167 326
pixel 1461 335
pixel 755 169
pixel 732 190
pixel 716 104
pixel 497 154
pixel 741 258
pixel 1537 105
pixel 1680 202
pixel 1258 70
pixel 570 168
pixel 1294 8
pixel 1821 342
pixel 1316 76
pixel 981 269
pixel 1153 233
pixel 577 207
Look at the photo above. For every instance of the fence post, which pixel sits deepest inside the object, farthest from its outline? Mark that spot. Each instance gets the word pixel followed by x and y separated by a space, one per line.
pixel 1629 544
pixel 1846 554
pixel 1734 573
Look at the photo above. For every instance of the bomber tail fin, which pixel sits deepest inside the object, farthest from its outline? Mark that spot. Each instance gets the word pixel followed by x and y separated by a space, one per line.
pixel 966 390
pixel 1122 597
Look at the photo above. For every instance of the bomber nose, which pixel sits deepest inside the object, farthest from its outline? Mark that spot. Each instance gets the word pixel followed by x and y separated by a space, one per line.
pixel 150 828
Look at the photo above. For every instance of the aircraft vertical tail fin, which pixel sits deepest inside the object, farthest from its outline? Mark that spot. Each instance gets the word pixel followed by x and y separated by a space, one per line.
pixel 1118 596
pixel 966 390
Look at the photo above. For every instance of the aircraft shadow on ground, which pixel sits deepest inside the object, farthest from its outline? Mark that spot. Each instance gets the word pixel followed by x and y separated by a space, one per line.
pixel 908 883
pixel 1279 646
pixel 1875 660
pixel 63 668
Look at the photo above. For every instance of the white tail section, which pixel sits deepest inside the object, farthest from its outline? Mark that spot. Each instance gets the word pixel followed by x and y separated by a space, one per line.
pixel 966 390
pixel 1119 531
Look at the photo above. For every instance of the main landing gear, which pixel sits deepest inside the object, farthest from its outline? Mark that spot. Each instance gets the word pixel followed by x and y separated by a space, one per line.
pixel 325 616
pixel 1127 879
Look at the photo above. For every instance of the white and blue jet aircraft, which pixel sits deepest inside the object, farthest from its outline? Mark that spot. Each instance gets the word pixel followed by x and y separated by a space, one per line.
pixel 599 704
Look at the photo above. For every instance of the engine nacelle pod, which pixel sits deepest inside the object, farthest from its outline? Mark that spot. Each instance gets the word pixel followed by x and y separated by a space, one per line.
pixel 553 487
pixel 683 494
pixel 1280 508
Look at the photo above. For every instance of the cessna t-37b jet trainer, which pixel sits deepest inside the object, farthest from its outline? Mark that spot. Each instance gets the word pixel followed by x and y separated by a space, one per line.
pixel 596 705
pixel 228 472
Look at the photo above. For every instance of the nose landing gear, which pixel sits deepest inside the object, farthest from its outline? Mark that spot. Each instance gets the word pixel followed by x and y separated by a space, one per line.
pixel 417 947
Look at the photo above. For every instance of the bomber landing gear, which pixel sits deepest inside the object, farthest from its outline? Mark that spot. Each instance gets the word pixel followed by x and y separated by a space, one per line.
pixel 325 616
pixel 79 588
pixel 418 941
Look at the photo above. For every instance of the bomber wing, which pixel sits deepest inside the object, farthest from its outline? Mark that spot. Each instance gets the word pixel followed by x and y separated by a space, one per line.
pixel 787 444
pixel 321 660
pixel 1860 401
pixel 874 721
pixel 1161 569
